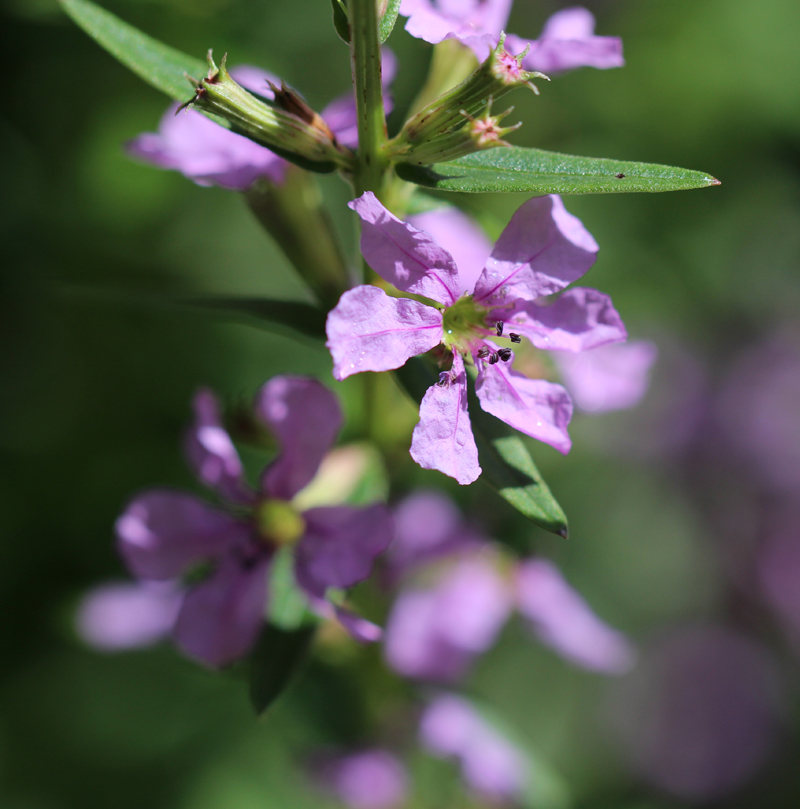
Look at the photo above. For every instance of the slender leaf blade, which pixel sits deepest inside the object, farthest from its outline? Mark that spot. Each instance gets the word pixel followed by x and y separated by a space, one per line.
pixel 275 661
pixel 340 21
pixel 507 465
pixel 159 65
pixel 535 171
pixel 388 20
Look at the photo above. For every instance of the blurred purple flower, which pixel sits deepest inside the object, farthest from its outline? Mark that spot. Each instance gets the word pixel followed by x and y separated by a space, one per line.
pixel 490 765
pixel 542 251
pixel 613 377
pixel 759 409
pixel 210 154
pixel 698 718
pixel 567 40
pixel 779 570
pixel 128 615
pixel 370 779
pixel 163 534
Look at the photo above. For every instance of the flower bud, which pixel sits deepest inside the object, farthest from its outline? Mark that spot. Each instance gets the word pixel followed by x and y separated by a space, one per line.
pixel 460 122
pixel 288 126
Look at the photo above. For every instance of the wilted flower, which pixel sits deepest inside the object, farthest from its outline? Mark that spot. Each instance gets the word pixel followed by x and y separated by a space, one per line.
pixel 541 252
pixel 566 42
pixel 165 534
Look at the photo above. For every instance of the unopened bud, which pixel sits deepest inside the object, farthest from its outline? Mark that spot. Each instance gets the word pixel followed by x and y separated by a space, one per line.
pixel 288 127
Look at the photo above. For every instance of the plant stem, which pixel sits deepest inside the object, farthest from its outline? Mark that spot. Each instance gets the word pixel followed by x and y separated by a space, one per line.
pixel 365 60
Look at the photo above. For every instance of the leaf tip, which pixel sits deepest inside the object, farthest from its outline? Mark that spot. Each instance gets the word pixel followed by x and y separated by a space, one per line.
pixel 714 181
pixel 563 532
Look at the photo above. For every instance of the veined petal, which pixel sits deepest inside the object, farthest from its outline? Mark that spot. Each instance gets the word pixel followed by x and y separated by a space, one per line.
pixel 565 622
pixel 162 532
pixel 341 544
pixel 305 418
pixel 404 256
pixel 220 618
pixel 369 331
pixel 580 319
pixel 543 250
pixel 211 453
pixel 613 377
pixel 443 437
pixel 535 407
pixel 465 20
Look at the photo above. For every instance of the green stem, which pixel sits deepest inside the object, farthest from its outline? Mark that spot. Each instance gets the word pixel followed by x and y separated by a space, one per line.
pixel 365 59
pixel 294 215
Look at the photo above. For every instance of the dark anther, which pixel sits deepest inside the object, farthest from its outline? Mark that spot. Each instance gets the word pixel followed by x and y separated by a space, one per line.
pixel 515 338
pixel 504 354
pixel 619 176
pixel 444 379
pixel 493 359
pixel 499 326
pixel 483 352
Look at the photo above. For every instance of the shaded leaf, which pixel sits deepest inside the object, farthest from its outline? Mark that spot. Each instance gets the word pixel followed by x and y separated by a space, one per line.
pixel 275 660
pixel 340 20
pixel 388 20
pixel 507 465
pixel 535 171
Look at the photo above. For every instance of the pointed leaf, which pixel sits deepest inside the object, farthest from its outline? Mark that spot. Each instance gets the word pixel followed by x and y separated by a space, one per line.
pixel 275 661
pixel 340 21
pixel 536 171
pixel 388 20
pixel 507 465
pixel 159 65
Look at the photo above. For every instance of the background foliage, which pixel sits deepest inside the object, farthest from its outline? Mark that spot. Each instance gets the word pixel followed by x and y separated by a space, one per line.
pixel 98 367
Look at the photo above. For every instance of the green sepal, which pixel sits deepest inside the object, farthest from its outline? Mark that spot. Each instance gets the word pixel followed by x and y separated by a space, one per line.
pixel 535 171
pixel 275 660
pixel 387 21
pixel 507 465
pixel 340 20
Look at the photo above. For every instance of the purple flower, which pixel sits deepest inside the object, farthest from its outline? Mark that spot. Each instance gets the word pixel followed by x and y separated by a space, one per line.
pixel 163 534
pixel 566 42
pixel 613 377
pixel 210 154
pixel 436 632
pixel 128 615
pixel 541 252
pixel 369 779
pixel 490 765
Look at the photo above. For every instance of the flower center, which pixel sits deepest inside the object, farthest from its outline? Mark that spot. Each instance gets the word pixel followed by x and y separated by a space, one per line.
pixel 278 523
pixel 463 322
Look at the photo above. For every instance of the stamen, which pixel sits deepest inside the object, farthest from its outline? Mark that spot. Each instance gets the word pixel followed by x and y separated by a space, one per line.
pixel 499 326
pixel 493 359
pixel 483 352
pixel 444 379
pixel 504 354
pixel 515 338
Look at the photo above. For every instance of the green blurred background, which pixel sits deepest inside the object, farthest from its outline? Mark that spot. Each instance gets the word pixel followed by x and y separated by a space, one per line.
pixel 98 369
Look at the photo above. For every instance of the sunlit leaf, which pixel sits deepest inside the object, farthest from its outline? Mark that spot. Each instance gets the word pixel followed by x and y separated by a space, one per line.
pixel 536 171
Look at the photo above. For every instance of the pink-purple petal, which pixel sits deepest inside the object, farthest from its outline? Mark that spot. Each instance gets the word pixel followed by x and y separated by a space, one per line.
pixel 340 545
pixel 443 437
pixel 369 331
pixel 535 407
pixel 614 377
pixel 565 622
pixel 211 453
pixel 305 418
pixel 581 318
pixel 369 779
pixel 543 249
pixel 461 237
pixel 404 256
pixel 163 532
pixel 220 618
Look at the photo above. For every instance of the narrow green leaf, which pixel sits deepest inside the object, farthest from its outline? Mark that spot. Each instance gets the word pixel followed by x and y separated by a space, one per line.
pixel 340 21
pixel 388 19
pixel 275 661
pixel 159 65
pixel 507 465
pixel 534 171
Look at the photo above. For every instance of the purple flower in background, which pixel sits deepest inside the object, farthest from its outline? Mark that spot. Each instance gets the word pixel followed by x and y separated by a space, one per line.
pixel 566 42
pixel 163 534
pixel 541 252
pixel 779 569
pixel 128 615
pixel 210 154
pixel 490 765
pixel 369 779
pixel 613 377
pixel 699 716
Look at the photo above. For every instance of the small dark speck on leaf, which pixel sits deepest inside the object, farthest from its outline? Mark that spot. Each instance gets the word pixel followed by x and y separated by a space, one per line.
pixel 619 176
